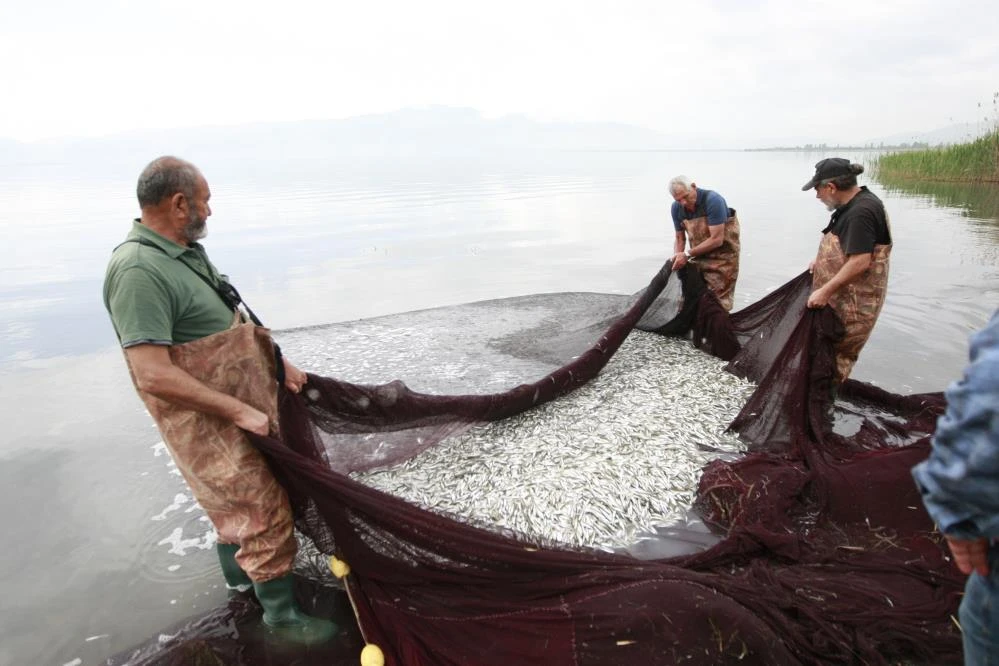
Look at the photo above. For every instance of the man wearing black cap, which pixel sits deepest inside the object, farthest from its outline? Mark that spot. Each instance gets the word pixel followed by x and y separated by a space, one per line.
pixel 850 271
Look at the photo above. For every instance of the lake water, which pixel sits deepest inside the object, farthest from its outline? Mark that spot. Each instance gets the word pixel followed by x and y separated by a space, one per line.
pixel 103 547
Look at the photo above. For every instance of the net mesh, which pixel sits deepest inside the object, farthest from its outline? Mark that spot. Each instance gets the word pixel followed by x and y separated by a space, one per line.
pixel 826 555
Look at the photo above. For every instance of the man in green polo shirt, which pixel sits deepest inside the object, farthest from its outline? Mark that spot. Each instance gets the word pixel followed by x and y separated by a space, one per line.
pixel 166 301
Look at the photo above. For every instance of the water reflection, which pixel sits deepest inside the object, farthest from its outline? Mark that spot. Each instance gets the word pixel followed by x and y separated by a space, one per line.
pixel 975 200
pixel 975 242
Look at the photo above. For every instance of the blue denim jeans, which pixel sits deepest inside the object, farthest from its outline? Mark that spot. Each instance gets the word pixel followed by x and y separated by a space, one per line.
pixel 979 615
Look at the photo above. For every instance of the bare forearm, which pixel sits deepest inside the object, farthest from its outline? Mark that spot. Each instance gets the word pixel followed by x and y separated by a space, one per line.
pixel 679 244
pixel 707 245
pixel 155 373
pixel 854 267
pixel 178 387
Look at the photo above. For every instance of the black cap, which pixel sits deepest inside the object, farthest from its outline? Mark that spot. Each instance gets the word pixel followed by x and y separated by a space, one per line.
pixel 831 167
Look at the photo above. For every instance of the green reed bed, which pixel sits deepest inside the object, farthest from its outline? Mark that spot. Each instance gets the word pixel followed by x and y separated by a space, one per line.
pixel 977 161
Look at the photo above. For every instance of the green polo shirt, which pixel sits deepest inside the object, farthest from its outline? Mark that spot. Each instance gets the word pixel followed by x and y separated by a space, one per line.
pixel 154 296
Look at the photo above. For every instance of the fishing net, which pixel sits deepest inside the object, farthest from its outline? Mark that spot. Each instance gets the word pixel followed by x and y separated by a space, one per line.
pixel 823 551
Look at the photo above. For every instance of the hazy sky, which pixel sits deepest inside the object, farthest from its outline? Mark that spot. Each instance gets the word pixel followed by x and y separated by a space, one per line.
pixel 755 72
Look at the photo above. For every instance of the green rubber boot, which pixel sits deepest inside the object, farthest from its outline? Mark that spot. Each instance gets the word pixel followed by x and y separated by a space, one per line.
pixel 235 577
pixel 283 616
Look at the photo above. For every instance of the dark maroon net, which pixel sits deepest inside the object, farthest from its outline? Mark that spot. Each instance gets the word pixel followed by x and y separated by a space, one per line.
pixel 827 555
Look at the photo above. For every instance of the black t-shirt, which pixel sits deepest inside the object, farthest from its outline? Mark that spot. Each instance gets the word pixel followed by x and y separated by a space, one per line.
pixel 861 224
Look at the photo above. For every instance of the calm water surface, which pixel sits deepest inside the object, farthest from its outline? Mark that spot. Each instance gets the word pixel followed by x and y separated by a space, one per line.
pixel 104 547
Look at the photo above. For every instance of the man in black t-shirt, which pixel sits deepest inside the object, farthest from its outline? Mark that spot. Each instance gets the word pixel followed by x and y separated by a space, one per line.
pixel 850 271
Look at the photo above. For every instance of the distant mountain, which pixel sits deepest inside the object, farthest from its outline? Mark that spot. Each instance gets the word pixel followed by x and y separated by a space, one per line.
pixel 958 133
pixel 415 135
pixel 422 134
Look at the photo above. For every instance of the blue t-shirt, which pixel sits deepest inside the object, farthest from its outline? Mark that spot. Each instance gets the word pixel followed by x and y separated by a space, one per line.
pixel 709 204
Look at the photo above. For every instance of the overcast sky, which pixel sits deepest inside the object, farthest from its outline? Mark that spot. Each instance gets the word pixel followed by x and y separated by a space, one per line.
pixel 742 71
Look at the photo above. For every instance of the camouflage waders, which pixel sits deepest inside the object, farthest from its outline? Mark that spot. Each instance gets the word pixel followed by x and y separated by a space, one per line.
pixel 720 267
pixel 858 303
pixel 227 475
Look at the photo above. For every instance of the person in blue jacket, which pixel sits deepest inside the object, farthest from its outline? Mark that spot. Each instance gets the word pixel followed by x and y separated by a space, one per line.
pixel 959 483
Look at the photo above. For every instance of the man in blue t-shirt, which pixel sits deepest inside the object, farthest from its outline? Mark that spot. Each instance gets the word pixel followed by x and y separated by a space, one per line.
pixel 712 227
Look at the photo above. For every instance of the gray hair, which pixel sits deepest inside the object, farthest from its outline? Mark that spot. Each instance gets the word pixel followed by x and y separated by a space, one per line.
pixel 679 184
pixel 847 182
pixel 164 177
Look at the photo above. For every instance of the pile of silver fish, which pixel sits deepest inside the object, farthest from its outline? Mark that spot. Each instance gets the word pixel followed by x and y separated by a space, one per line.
pixel 599 467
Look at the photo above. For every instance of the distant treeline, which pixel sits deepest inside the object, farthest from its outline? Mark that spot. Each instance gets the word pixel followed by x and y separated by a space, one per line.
pixel 977 161
pixel 825 147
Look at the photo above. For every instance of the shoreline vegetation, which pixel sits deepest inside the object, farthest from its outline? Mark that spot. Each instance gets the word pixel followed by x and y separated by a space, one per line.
pixel 974 162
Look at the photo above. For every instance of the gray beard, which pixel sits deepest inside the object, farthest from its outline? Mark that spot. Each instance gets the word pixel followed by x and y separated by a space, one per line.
pixel 196 229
